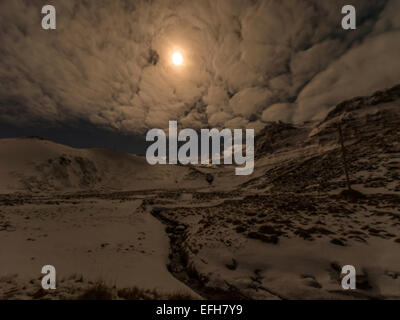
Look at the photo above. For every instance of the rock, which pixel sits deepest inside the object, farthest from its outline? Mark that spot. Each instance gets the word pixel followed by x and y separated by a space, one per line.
pixel 156 211
pixel 240 229
pixel 312 283
pixel 233 265
pixel 305 234
pixel 169 229
pixel 338 242
pixel 362 282
pixel 393 274
pixel 38 294
pixel 180 228
pixel 267 229
pixel 209 178
pixel 319 230
pixel 352 195
pixel 259 236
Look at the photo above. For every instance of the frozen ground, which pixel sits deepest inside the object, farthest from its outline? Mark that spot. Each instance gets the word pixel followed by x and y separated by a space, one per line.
pixel 282 233
pixel 275 246
pixel 287 246
pixel 87 240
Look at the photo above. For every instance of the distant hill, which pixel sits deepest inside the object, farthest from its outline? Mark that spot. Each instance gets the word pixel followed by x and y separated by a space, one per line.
pixel 36 165
pixel 308 158
pixel 294 158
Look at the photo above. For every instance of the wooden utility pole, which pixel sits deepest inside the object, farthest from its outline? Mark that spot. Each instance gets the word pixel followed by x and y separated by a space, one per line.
pixel 344 156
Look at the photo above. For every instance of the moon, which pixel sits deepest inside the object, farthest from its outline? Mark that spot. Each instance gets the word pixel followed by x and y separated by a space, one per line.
pixel 177 58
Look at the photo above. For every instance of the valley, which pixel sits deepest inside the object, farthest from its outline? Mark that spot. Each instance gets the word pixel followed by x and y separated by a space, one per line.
pixel 282 233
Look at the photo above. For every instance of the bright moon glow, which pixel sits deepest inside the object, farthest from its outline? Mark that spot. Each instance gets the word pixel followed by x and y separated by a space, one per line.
pixel 177 58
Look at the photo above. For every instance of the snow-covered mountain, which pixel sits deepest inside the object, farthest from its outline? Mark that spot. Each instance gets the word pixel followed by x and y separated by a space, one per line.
pixel 282 233
pixel 309 158
pixel 287 157
pixel 37 165
pixel 287 231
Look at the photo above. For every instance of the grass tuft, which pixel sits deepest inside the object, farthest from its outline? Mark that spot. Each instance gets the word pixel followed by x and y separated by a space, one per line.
pixel 98 291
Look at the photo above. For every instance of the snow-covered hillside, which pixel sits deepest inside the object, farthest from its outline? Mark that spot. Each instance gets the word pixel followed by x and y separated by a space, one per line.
pixel 35 165
pixel 282 233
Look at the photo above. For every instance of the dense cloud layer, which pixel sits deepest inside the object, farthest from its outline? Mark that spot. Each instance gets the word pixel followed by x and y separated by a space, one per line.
pixel 245 62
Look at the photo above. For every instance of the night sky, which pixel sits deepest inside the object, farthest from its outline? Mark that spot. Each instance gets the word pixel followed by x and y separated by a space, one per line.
pixel 105 76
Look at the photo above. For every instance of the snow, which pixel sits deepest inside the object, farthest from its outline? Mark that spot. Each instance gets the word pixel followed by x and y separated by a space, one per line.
pixel 42 166
pixel 283 232
pixel 283 267
pixel 101 240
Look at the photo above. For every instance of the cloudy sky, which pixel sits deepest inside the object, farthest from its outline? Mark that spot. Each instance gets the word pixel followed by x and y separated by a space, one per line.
pixel 108 68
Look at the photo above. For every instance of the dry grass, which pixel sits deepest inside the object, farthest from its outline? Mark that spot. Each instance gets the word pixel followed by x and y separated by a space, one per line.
pixel 180 295
pixel 100 291
pixel 138 294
